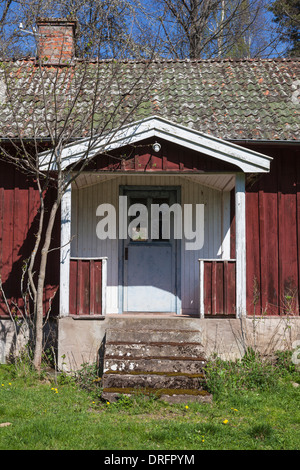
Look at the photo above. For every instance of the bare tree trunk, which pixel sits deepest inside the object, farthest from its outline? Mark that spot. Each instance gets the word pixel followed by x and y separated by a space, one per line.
pixel 220 39
pixel 40 290
pixel 36 245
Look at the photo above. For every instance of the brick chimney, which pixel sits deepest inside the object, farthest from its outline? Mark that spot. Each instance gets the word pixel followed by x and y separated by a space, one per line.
pixel 56 40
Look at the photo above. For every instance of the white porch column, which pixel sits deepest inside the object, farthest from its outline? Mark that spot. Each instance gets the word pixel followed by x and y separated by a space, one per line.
pixel 240 242
pixel 65 251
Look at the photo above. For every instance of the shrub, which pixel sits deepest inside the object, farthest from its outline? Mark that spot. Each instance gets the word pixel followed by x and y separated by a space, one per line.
pixel 252 372
pixel 87 378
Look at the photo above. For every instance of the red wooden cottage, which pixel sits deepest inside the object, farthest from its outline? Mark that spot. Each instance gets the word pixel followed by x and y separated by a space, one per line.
pixel 228 153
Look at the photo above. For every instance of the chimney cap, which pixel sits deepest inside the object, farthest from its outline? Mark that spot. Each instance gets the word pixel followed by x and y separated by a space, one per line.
pixel 57 21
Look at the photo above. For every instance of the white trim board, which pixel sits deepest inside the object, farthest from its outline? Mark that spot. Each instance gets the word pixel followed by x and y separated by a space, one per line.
pixel 65 252
pixel 245 159
pixel 240 245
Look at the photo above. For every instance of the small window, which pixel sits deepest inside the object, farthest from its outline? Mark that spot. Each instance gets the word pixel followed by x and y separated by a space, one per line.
pixel 138 232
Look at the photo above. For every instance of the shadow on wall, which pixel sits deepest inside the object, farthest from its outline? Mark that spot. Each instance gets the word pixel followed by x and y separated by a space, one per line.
pixel 101 354
pixel 13 260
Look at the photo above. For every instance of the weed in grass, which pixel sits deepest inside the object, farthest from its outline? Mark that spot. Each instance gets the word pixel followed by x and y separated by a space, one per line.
pixel 261 431
pixel 87 378
pixel 135 404
pixel 265 435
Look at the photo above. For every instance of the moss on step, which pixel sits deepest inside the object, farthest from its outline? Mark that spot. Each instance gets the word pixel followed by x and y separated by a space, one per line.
pixel 165 374
pixel 157 392
pixel 162 358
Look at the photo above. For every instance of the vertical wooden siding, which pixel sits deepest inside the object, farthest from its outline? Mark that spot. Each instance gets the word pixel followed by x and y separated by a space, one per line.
pixel 85 287
pixel 19 206
pixel 219 287
pixel 273 237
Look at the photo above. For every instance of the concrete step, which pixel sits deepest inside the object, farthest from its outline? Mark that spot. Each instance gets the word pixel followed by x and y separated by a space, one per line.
pixel 153 349
pixel 162 355
pixel 175 396
pixel 187 398
pixel 143 336
pixel 152 381
pixel 146 322
pixel 188 365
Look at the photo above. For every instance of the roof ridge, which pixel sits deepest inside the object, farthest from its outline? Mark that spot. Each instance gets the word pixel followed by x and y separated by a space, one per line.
pixel 163 60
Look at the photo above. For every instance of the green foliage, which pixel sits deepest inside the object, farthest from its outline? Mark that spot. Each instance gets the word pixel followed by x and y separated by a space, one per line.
pixel 261 431
pixel 135 403
pixel 63 415
pixel 287 16
pixel 252 372
pixel 87 378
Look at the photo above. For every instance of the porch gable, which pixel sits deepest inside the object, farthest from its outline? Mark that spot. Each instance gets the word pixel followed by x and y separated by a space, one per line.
pixel 246 160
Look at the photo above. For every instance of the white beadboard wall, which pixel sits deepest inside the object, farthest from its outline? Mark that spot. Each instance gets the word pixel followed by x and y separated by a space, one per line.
pixel 216 227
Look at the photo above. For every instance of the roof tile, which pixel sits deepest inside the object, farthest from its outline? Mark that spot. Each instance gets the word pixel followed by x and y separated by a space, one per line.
pixel 230 99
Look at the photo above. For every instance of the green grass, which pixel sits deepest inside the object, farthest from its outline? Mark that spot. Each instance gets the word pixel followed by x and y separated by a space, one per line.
pixel 258 415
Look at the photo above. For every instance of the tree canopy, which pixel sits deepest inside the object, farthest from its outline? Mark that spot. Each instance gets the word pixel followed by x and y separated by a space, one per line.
pixel 287 17
pixel 178 29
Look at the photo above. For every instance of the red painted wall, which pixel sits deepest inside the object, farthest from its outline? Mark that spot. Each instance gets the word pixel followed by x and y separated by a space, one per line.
pixel 19 206
pixel 272 227
pixel 273 235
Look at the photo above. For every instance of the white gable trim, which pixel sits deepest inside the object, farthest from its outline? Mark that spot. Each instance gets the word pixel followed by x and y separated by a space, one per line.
pixel 246 160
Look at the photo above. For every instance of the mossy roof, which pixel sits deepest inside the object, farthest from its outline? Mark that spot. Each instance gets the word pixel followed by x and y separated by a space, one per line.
pixel 256 99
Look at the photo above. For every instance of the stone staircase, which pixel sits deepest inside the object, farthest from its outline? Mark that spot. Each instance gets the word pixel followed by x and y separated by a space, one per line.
pixel 154 355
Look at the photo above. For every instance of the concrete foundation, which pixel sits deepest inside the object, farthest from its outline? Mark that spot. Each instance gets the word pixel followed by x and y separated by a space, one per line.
pixel 80 339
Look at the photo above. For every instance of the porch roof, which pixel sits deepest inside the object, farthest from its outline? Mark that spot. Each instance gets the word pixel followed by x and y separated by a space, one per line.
pixel 244 159
pixel 220 182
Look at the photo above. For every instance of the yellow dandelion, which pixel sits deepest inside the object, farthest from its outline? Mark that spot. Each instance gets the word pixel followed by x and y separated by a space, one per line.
pixel 107 403
pixel 186 407
pixel 225 421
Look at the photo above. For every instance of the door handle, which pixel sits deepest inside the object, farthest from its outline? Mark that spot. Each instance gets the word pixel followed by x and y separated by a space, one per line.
pixel 126 254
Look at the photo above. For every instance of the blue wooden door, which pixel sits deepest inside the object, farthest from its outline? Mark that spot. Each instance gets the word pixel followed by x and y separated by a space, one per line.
pixel 150 256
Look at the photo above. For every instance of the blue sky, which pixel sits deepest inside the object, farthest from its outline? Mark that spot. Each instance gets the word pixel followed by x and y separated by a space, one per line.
pixel 29 43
